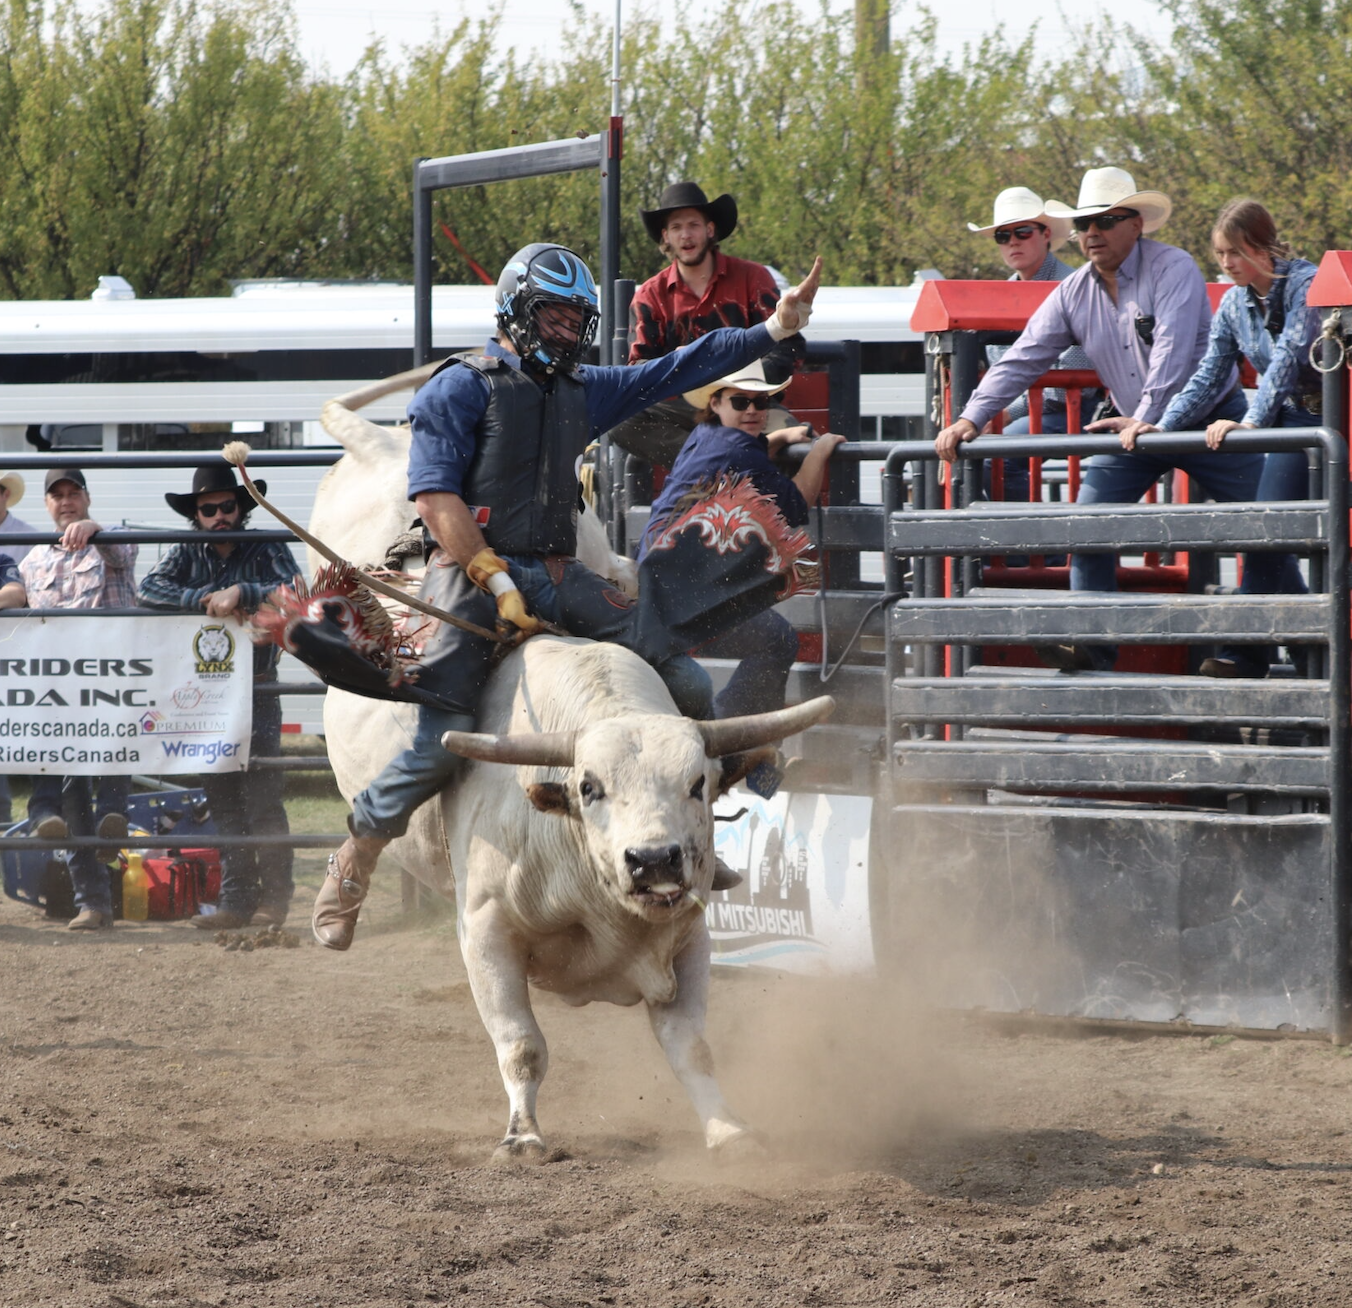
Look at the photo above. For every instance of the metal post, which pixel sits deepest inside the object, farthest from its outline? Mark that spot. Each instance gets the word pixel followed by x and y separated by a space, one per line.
pixel 1340 733
pixel 610 234
pixel 610 202
pixel 422 268
pixel 1340 684
pixel 894 501
pixel 612 483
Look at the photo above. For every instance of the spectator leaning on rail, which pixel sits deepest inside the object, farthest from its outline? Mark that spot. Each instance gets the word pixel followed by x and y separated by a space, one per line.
pixel 497 437
pixel 79 573
pixel 1028 237
pixel 226 578
pixel 1139 308
pixel 1262 318
pixel 11 492
pixel 729 438
pixel 702 289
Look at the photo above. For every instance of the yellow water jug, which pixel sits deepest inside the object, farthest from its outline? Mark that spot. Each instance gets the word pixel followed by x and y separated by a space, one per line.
pixel 135 890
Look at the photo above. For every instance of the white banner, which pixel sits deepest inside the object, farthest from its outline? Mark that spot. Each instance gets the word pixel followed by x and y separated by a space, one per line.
pixel 99 695
pixel 803 902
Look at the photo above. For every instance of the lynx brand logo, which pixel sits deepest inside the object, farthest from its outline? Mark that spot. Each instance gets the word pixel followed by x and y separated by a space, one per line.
pixel 214 648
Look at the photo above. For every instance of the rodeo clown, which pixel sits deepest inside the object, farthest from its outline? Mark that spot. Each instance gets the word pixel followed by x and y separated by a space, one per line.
pixel 497 440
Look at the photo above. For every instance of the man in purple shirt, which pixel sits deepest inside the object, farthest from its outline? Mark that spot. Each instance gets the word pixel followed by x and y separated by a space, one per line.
pixel 1140 311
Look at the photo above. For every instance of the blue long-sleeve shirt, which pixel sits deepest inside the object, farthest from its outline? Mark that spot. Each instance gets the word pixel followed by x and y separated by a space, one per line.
pixel 191 571
pixel 711 450
pixel 1239 330
pixel 1155 281
pixel 445 413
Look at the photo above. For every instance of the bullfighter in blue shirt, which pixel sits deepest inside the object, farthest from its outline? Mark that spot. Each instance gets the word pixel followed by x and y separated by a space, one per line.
pixel 497 440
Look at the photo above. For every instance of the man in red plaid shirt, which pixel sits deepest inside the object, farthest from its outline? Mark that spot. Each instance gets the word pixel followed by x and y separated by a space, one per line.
pixel 700 290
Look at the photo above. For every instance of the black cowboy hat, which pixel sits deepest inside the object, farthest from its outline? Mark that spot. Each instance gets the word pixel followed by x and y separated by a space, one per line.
pixel 722 212
pixel 213 477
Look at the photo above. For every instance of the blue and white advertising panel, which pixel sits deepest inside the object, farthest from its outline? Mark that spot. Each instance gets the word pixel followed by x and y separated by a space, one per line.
pixel 803 902
pixel 100 695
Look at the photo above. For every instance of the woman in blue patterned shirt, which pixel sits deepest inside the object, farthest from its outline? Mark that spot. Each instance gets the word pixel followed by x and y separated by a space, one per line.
pixel 1262 318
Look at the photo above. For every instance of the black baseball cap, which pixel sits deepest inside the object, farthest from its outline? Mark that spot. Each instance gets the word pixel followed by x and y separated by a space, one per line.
pixel 64 474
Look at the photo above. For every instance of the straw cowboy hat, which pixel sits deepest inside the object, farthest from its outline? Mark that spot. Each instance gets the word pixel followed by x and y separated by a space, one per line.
pixel 13 483
pixel 1018 204
pixel 1115 188
pixel 750 378
pixel 722 212
pixel 206 480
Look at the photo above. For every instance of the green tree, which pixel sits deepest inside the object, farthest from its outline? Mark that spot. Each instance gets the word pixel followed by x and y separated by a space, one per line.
pixel 179 146
pixel 1247 97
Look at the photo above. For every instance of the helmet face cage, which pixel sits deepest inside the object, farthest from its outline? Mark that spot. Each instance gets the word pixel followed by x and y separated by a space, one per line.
pixel 538 276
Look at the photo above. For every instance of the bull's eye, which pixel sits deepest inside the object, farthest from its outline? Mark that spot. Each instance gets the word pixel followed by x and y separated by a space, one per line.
pixel 590 790
pixel 697 790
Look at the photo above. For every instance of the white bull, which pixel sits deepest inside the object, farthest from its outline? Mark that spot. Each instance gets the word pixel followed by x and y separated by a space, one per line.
pixel 581 840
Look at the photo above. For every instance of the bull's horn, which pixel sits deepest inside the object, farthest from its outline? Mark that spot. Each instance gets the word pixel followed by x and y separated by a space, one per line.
pixel 733 735
pixel 544 749
pixel 354 433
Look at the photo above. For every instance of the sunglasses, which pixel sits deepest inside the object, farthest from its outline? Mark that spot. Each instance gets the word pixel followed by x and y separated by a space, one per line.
pixel 1007 234
pixel 744 402
pixel 1105 222
pixel 218 506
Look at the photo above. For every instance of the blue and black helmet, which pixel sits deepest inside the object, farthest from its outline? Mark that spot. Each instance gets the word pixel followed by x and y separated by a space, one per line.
pixel 536 276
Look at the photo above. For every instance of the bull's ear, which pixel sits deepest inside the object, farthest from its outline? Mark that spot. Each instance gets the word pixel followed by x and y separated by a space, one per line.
pixel 736 766
pixel 549 797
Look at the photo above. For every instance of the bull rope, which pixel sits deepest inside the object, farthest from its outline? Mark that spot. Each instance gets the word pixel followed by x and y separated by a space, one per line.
pixel 236 452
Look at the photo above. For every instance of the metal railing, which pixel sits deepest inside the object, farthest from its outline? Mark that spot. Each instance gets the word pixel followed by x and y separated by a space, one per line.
pixel 144 536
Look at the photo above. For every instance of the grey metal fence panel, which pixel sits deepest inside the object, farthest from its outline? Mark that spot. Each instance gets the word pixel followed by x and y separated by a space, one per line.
pixel 1129 619
pixel 1031 529
pixel 1011 699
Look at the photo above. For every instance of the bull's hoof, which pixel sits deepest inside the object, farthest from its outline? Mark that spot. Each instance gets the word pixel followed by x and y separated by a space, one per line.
pixel 732 1142
pixel 520 1149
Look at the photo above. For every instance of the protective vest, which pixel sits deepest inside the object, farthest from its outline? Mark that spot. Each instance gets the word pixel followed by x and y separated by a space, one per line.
pixel 522 484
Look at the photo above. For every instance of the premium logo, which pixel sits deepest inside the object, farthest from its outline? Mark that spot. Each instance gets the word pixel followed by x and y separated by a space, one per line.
pixel 214 648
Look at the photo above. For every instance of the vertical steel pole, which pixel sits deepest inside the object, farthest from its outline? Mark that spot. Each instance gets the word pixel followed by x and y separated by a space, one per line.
pixel 894 501
pixel 610 202
pixel 422 269
pixel 1335 416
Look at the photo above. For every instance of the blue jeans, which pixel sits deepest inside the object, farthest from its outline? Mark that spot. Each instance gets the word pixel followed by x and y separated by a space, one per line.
pixel 73 799
pixel 1286 476
pixel 250 804
pixel 767 647
pixel 1124 478
pixel 577 603
pixel 1016 470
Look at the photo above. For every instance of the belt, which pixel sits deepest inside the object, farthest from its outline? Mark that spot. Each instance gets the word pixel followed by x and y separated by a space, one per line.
pixel 1313 402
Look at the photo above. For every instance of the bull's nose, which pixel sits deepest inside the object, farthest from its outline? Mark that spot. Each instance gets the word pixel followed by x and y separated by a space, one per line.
pixel 653 863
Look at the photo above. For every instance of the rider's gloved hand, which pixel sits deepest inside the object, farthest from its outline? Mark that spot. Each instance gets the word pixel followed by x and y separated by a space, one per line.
pixel 487 571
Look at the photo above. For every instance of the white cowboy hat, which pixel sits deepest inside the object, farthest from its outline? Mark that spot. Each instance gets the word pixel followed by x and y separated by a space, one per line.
pixel 1115 188
pixel 1018 204
pixel 750 378
pixel 13 483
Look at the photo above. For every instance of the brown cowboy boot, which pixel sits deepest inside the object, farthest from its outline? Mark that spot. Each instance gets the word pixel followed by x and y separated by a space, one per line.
pixel 344 888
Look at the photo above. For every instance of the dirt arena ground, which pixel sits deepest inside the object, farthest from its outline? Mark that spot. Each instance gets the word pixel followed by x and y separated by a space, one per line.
pixel 185 1126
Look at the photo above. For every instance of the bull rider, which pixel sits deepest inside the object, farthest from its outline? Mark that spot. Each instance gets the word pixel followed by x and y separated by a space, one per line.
pixel 497 441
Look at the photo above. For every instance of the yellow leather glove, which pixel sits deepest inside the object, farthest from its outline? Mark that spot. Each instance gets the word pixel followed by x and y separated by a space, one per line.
pixel 487 571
